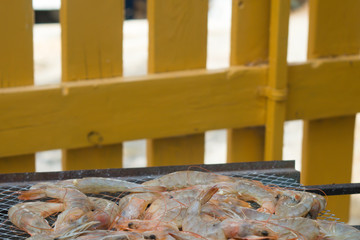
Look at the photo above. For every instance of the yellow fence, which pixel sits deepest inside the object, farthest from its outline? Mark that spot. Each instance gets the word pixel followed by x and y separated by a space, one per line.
pixel 179 100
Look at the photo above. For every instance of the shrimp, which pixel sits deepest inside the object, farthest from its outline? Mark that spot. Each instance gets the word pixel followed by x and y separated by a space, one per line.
pixel 229 228
pixel 172 206
pixel 133 205
pixel 251 191
pixel 30 216
pixel 299 204
pixel 182 179
pixel 247 229
pixel 109 235
pixel 295 228
pixel 193 222
pixel 337 231
pixel 98 184
pixel 146 225
pixel 105 212
pixel 76 205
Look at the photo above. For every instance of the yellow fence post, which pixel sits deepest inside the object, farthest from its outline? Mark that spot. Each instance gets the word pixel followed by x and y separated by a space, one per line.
pixel 328 143
pixel 177 41
pixel 249 46
pixel 16 64
pixel 276 90
pixel 92 48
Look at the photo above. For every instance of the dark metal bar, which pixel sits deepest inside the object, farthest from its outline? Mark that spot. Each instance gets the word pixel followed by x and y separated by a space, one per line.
pixel 278 168
pixel 335 189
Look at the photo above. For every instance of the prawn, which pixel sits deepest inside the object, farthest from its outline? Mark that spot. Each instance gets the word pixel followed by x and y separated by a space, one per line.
pixel 99 184
pixel 299 204
pixel 295 228
pixel 133 205
pixel 251 191
pixel 105 212
pixel 229 228
pixel 76 205
pixel 182 179
pixel 30 216
pixel 337 231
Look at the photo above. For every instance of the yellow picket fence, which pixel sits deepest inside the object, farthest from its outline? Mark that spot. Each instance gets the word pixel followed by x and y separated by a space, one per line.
pixel 179 99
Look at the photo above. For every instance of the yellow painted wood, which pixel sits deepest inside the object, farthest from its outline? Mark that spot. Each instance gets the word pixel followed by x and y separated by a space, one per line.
pixel 108 156
pixel 188 102
pixel 327 157
pixel 330 88
pixel 250 25
pixel 178 152
pixel 245 144
pixel 276 107
pixel 334 28
pixel 91 48
pixel 177 41
pixel 16 64
pixel 177 34
pixel 249 45
pixel 334 31
pixel 91 38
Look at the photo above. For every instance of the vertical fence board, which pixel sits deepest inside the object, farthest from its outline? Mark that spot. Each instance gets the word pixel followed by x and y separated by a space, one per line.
pixel 16 64
pixel 92 48
pixel 276 92
pixel 177 41
pixel 249 45
pixel 334 30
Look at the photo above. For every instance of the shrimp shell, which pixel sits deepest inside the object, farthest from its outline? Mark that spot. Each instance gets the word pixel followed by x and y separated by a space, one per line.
pixel 338 231
pixel 182 179
pixel 99 184
pixel 30 216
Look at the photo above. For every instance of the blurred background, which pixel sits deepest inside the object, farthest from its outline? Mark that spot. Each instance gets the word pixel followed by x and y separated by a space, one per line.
pixel 47 54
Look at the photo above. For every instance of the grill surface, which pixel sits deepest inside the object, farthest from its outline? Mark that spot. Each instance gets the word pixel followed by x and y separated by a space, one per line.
pixel 8 198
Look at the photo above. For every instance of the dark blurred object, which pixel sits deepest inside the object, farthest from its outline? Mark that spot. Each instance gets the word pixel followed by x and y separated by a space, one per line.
pixel 46 16
pixel 134 9
pixel 295 4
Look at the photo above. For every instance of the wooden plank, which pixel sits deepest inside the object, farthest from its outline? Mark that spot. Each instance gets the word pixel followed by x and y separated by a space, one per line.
pixel 334 31
pixel 322 153
pixel 330 87
pixel 187 102
pixel 92 48
pixel 178 151
pixel 16 52
pixel 276 90
pixel 249 45
pixel 177 41
pixel 334 28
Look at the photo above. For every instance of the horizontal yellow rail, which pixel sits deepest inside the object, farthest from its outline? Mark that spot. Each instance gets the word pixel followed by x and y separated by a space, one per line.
pixel 169 104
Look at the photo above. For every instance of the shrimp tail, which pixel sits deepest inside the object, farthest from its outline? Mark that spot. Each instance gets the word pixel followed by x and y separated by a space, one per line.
pixel 208 195
pixel 31 194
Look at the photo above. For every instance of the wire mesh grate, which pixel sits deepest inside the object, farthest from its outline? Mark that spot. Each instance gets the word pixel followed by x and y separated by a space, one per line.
pixel 8 198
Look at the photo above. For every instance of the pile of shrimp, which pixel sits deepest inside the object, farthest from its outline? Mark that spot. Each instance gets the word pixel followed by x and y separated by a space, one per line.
pixel 184 205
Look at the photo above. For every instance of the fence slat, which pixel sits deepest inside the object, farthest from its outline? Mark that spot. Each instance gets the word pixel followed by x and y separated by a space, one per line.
pixel 249 45
pixel 16 64
pixel 334 30
pixel 276 91
pixel 92 48
pixel 177 41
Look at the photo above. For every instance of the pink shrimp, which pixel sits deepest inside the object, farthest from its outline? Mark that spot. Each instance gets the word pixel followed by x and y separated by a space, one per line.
pixel 182 179
pixel 30 216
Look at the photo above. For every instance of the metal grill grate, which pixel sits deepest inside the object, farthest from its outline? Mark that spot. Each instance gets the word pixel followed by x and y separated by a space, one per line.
pixel 8 198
